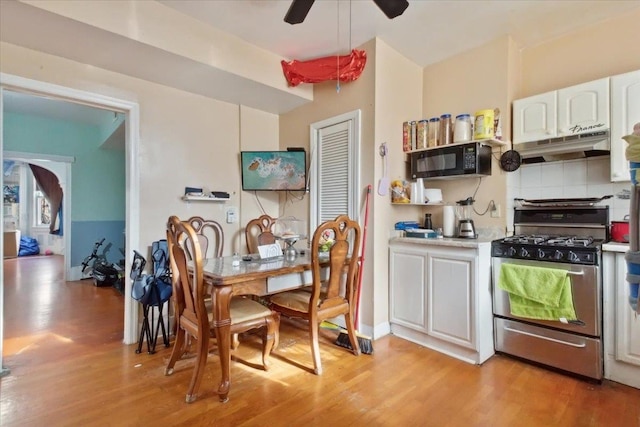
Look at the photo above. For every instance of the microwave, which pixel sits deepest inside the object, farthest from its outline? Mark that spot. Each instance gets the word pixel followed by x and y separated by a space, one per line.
pixel 466 160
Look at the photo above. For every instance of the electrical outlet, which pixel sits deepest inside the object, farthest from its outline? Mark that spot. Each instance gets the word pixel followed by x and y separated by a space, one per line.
pixel 495 212
pixel 232 215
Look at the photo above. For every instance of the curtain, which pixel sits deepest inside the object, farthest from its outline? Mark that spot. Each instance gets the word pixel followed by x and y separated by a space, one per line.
pixel 50 186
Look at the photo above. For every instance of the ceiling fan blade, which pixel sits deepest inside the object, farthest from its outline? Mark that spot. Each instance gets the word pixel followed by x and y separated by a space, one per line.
pixel 392 8
pixel 298 11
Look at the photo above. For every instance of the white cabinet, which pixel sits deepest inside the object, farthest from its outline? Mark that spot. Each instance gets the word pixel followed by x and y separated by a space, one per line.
pixel 625 112
pixel 450 296
pixel 440 296
pixel 575 110
pixel 408 297
pixel 535 118
pixel 621 324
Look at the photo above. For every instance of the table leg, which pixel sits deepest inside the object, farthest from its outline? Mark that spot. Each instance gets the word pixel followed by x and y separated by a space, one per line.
pixel 221 296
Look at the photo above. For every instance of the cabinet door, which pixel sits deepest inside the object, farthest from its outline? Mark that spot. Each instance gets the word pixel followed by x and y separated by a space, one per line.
pixel 627 323
pixel 584 108
pixel 407 272
pixel 534 118
pixel 625 112
pixel 450 296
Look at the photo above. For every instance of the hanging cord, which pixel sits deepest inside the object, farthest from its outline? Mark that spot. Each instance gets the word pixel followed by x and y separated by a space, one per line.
pixel 491 204
pixel 338 52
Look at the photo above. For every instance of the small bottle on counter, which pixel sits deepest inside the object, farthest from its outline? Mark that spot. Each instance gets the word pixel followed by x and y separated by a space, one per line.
pixel 427 221
pixel 235 261
pixel 446 131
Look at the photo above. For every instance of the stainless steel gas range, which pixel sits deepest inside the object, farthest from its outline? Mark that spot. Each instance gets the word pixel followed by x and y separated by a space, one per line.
pixel 559 234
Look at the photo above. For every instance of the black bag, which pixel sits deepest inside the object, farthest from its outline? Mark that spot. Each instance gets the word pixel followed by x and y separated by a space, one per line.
pixel 105 275
pixel 152 289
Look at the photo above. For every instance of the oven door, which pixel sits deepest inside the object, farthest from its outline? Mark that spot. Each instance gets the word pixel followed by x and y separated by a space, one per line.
pixel 586 286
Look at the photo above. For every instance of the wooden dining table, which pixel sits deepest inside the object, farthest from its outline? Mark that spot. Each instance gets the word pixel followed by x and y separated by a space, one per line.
pixel 255 277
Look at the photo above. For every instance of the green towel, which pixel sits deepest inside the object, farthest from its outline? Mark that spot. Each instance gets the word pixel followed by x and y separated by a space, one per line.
pixel 537 292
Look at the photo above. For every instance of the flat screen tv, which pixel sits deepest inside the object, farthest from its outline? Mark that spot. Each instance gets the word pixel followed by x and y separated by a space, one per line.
pixel 274 170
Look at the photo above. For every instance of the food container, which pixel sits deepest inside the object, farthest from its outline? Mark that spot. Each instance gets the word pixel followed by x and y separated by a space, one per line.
pixel 620 230
pixel 406 136
pixel 446 130
pixel 433 195
pixel 434 132
pixel 422 134
pixel 462 128
pixel 484 124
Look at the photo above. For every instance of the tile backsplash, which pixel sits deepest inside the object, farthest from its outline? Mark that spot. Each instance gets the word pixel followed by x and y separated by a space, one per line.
pixel 567 179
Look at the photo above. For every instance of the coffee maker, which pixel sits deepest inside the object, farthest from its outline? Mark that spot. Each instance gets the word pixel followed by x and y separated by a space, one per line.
pixel 464 210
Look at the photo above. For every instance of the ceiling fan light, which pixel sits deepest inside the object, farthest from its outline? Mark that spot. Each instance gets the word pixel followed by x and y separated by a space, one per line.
pixel 298 11
pixel 392 8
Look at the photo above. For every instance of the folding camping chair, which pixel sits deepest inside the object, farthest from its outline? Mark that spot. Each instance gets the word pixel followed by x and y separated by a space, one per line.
pixel 152 290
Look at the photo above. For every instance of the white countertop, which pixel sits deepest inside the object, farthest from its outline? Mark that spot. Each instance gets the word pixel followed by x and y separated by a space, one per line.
pixel 615 247
pixel 446 241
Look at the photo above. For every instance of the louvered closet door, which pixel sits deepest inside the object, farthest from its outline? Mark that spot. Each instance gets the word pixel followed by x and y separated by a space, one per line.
pixel 334 173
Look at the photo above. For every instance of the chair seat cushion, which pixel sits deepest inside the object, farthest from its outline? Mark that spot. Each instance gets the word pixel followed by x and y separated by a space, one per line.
pixel 245 309
pixel 297 300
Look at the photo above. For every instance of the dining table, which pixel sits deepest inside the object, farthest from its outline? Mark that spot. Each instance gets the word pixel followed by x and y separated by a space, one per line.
pixel 253 276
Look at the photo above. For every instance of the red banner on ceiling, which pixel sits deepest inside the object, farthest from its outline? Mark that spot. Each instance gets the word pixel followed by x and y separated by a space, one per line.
pixel 347 68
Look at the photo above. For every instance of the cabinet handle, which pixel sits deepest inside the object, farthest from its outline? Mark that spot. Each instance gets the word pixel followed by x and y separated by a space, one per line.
pixel 506 328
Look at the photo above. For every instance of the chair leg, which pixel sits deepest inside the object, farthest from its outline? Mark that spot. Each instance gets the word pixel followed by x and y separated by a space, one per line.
pixel 144 330
pixel 351 331
pixel 179 347
pixel 315 347
pixel 198 372
pixel 268 338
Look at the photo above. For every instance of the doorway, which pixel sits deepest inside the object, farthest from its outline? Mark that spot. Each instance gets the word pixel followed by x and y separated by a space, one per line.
pixel 131 112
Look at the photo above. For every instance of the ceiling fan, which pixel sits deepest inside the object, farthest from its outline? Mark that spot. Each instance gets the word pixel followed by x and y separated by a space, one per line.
pixel 300 8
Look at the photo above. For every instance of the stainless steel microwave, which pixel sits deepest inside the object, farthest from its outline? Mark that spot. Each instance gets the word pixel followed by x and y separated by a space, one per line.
pixel 471 159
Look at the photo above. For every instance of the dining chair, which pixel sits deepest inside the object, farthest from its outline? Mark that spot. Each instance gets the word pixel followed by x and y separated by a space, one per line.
pixel 210 234
pixel 259 231
pixel 333 289
pixel 195 319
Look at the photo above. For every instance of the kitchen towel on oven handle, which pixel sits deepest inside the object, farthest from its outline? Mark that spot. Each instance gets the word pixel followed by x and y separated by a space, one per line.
pixel 538 292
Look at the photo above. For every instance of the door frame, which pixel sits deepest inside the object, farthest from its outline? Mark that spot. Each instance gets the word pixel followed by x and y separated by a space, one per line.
pixel 132 141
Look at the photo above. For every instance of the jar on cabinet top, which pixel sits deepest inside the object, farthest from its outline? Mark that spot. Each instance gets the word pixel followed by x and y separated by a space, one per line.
pixel 446 129
pixel 462 128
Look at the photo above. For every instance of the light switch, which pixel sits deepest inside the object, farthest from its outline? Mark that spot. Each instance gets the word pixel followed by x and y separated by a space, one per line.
pixel 232 215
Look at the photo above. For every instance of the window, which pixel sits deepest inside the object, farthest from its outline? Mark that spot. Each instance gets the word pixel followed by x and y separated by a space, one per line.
pixel 335 168
pixel 42 214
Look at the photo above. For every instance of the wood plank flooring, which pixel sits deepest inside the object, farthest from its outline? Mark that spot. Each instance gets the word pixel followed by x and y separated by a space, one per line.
pixel 63 345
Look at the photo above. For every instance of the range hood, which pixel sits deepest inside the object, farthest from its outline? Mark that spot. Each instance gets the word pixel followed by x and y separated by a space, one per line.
pixel 565 148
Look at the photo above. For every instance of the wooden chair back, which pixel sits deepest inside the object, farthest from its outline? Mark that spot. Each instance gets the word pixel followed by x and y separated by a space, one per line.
pixel 210 236
pixel 259 231
pixel 185 248
pixel 334 292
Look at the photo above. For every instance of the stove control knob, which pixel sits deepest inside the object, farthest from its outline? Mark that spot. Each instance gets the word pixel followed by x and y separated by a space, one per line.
pixel 524 253
pixel 541 254
pixel 558 255
pixel 511 251
pixel 573 257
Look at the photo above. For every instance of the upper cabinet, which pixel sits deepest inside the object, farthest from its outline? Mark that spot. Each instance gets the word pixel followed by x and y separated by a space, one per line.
pixel 583 108
pixel 625 112
pixel 535 118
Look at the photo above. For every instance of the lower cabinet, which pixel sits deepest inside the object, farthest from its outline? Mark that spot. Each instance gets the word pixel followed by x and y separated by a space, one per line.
pixel 621 324
pixel 440 297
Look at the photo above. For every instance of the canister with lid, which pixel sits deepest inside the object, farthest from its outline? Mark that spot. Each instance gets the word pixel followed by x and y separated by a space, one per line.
pixel 462 128
pixel 422 134
pixel 434 131
pixel 446 130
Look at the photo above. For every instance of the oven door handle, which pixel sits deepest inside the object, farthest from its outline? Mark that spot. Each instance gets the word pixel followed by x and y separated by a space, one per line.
pixel 576 273
pixel 544 338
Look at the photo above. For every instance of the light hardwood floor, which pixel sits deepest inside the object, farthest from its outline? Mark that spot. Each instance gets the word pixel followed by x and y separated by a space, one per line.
pixel 63 345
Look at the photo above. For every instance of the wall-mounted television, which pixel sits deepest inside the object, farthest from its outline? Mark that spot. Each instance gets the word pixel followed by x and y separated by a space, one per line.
pixel 274 170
